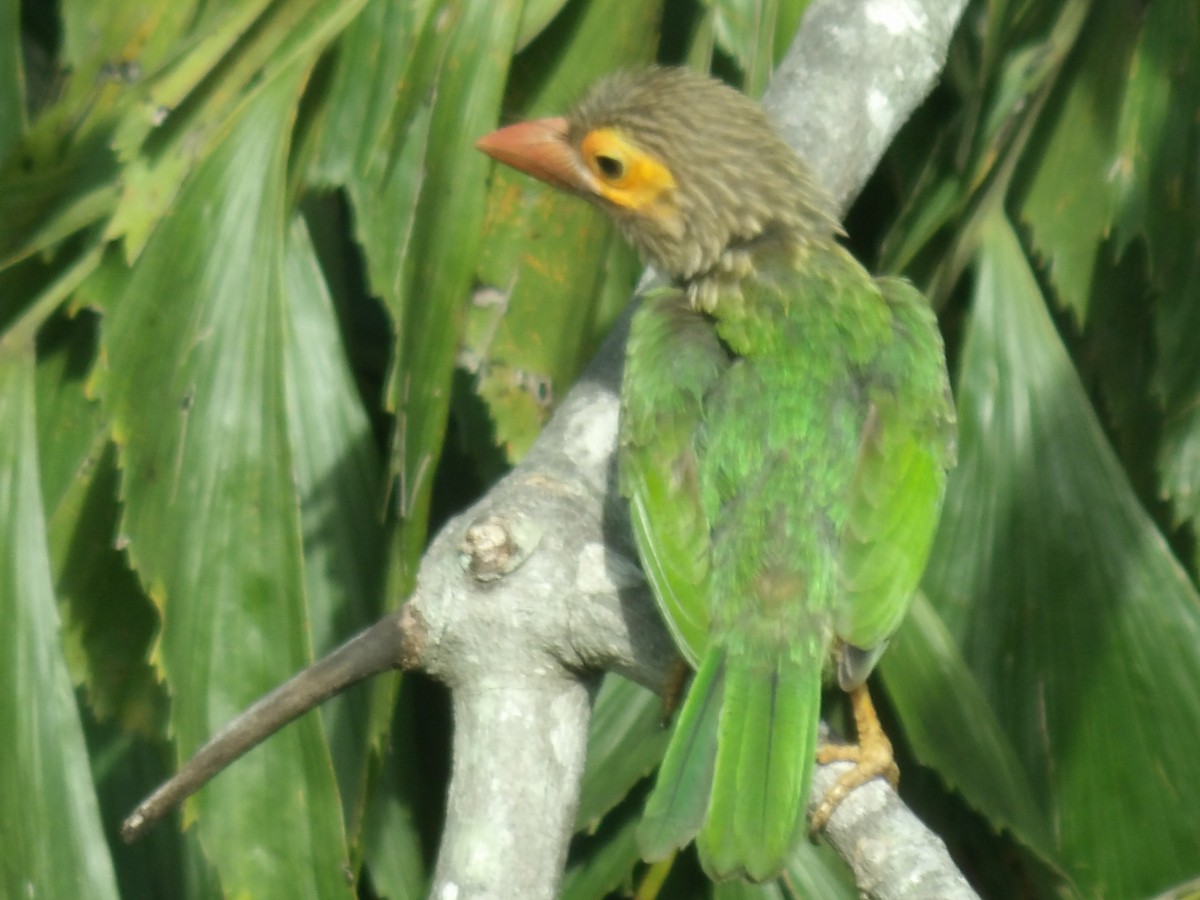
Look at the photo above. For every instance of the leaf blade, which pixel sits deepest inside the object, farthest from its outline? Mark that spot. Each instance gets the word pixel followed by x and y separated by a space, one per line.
pixel 46 787
pixel 196 394
pixel 1092 641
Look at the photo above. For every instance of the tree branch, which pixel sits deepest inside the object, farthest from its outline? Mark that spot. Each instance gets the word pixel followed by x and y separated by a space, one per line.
pixel 572 600
pixel 893 855
pixel 525 597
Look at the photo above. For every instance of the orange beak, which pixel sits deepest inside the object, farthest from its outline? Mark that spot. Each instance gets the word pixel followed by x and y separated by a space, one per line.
pixel 539 148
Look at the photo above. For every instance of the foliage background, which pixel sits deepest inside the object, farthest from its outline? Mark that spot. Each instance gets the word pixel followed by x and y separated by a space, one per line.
pixel 267 318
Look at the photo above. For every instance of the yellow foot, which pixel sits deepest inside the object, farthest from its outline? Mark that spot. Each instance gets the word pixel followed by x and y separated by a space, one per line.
pixel 872 757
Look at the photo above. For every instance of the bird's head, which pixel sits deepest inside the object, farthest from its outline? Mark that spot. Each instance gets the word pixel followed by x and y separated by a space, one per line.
pixel 692 171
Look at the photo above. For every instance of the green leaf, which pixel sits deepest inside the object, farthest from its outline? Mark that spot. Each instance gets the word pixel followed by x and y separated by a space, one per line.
pixel 53 842
pixel 376 84
pixel 756 34
pixel 1156 182
pixel 952 729
pixel 626 741
pixel 1069 205
pixel 816 870
pixel 123 85
pixel 1081 628
pixel 157 159
pixel 1178 377
pixel 120 41
pixel 426 274
pixel 109 623
pixel 393 849
pixel 109 52
pixel 145 104
pixel 197 339
pixel 543 258
pixel 71 425
pixel 605 869
pixel 339 483
pixel 371 139
pixel 1154 171
pixel 415 183
pixel 741 890
pixel 471 65
pixel 535 16
pixel 233 56
pixel 12 89
pixel 40 210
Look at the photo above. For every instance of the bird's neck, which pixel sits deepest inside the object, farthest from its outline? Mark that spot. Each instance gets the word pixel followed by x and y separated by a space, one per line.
pixel 745 260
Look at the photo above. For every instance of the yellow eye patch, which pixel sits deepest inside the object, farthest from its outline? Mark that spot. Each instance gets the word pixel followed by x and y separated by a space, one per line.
pixel 627 176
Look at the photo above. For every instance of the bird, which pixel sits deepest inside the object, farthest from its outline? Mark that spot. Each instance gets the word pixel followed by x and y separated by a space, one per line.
pixel 786 430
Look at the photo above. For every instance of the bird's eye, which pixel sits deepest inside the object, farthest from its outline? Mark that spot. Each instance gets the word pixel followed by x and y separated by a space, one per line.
pixel 624 174
pixel 610 166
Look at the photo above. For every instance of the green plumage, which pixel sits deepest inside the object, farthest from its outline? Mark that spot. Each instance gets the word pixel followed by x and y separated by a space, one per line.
pixel 786 427
pixel 784 455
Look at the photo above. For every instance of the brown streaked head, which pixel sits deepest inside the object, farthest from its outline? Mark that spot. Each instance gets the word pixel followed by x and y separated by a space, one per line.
pixel 692 170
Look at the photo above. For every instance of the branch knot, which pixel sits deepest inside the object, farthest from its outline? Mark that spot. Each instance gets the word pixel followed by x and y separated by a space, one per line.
pixel 495 545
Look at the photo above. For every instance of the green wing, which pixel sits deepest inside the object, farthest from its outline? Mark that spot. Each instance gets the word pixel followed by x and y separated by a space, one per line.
pixel 906 447
pixel 673 357
pixel 736 773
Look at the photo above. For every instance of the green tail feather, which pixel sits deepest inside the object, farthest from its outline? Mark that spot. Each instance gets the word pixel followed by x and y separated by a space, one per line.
pixel 738 767
pixel 767 741
pixel 675 809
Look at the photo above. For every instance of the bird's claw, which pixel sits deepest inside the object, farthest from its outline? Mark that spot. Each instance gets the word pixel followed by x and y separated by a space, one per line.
pixel 872 758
